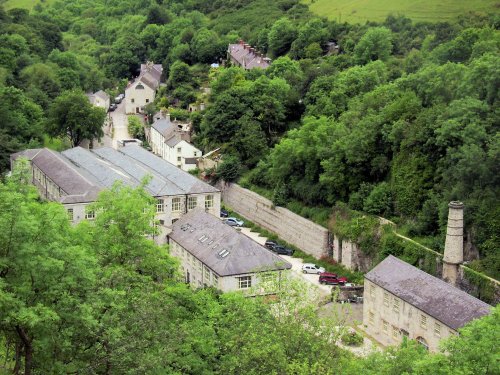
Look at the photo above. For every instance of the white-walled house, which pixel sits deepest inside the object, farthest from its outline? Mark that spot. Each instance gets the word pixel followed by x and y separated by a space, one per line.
pixel 212 253
pixel 143 90
pixel 99 99
pixel 76 176
pixel 402 301
pixel 170 140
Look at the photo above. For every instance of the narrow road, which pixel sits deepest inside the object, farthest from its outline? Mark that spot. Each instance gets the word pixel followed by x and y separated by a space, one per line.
pixel 119 122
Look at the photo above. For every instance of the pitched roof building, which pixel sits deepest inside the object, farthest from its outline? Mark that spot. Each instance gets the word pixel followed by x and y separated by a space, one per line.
pixel 213 253
pixel 143 90
pixel 245 56
pixel 171 140
pixel 401 300
pixel 99 99
pixel 76 176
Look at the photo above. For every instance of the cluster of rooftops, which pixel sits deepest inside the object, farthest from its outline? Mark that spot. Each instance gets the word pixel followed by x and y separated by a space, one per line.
pixel 82 174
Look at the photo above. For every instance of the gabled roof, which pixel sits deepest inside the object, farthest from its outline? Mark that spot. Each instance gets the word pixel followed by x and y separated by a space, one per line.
pixel 186 182
pixel 82 173
pixel 222 248
pixel 451 306
pixel 101 94
pixel 246 57
pixel 79 186
pixel 163 126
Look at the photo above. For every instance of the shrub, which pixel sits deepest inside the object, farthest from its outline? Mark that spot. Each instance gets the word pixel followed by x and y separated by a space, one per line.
pixel 352 338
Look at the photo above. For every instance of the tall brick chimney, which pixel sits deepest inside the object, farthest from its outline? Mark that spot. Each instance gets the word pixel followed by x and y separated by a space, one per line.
pixel 454 245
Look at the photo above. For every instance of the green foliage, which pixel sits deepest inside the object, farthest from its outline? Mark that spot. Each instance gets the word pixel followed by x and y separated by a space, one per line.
pixel 21 121
pixel 374 45
pixel 364 11
pixel 135 127
pixel 230 169
pixel 280 37
pixel 485 287
pixel 352 338
pixel 72 115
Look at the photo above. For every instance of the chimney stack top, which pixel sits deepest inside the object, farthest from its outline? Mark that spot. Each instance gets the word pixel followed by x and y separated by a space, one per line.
pixel 456 204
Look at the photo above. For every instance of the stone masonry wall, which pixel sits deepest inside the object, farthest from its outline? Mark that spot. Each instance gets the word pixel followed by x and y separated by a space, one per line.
pixel 309 237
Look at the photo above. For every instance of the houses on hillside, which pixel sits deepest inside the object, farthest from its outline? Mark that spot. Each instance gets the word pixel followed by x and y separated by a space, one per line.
pixel 171 141
pixel 76 176
pixel 143 90
pixel 99 99
pixel 402 301
pixel 214 254
pixel 243 55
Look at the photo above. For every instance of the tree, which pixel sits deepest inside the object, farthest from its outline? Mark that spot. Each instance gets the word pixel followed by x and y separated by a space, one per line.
pixel 374 45
pixel 207 47
pixel 179 74
pixel 44 279
pixel 72 115
pixel 280 37
pixel 135 127
pixel 21 121
pixel 230 168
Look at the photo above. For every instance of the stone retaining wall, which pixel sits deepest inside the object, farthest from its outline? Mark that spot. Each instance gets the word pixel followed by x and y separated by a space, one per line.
pixel 309 237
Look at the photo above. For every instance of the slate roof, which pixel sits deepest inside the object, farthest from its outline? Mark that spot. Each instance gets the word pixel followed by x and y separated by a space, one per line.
pixel 224 250
pixel 246 58
pixel 82 173
pixel 76 183
pixel 163 125
pixel 102 95
pixel 451 306
pixel 188 183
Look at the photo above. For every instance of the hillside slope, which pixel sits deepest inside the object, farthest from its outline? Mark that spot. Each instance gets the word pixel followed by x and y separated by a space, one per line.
pixel 360 11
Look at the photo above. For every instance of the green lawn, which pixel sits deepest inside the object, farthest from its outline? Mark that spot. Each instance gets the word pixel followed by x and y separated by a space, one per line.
pixel 360 11
pixel 26 4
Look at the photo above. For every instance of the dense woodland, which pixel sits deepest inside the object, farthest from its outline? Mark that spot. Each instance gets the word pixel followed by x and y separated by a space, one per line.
pixel 402 120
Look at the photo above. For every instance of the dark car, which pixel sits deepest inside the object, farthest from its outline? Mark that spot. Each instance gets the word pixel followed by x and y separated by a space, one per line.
pixel 223 213
pixel 331 279
pixel 270 244
pixel 282 250
pixel 112 107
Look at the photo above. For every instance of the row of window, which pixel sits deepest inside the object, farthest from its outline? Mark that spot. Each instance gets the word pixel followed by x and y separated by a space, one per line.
pixel 44 181
pixel 385 325
pixel 192 202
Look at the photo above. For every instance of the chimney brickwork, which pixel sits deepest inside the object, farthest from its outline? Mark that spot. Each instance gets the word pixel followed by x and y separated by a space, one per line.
pixel 454 245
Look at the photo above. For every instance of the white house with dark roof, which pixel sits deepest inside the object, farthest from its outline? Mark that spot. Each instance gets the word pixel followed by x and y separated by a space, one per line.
pixel 143 90
pixel 214 254
pixel 76 176
pixel 171 140
pixel 244 55
pixel 99 99
pixel 401 300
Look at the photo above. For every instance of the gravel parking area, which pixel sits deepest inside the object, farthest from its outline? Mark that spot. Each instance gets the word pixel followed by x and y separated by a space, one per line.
pixel 324 290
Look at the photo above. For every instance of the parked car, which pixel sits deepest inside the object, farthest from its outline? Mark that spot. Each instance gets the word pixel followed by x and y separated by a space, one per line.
pixel 270 244
pixel 312 268
pixel 119 98
pixel 223 213
pixel 232 221
pixel 112 107
pixel 331 279
pixel 282 250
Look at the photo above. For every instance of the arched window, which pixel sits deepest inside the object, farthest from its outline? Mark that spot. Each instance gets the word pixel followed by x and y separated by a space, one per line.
pixel 139 87
pixel 423 342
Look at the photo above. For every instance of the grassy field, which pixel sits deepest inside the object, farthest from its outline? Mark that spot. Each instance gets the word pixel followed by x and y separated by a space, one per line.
pixel 360 11
pixel 26 4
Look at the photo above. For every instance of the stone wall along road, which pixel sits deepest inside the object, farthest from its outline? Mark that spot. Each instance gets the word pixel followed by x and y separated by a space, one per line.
pixel 309 237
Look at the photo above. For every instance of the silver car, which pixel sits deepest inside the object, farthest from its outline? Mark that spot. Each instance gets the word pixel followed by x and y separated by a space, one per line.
pixel 312 268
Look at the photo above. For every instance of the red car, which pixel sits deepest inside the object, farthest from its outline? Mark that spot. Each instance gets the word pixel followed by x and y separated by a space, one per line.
pixel 331 279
